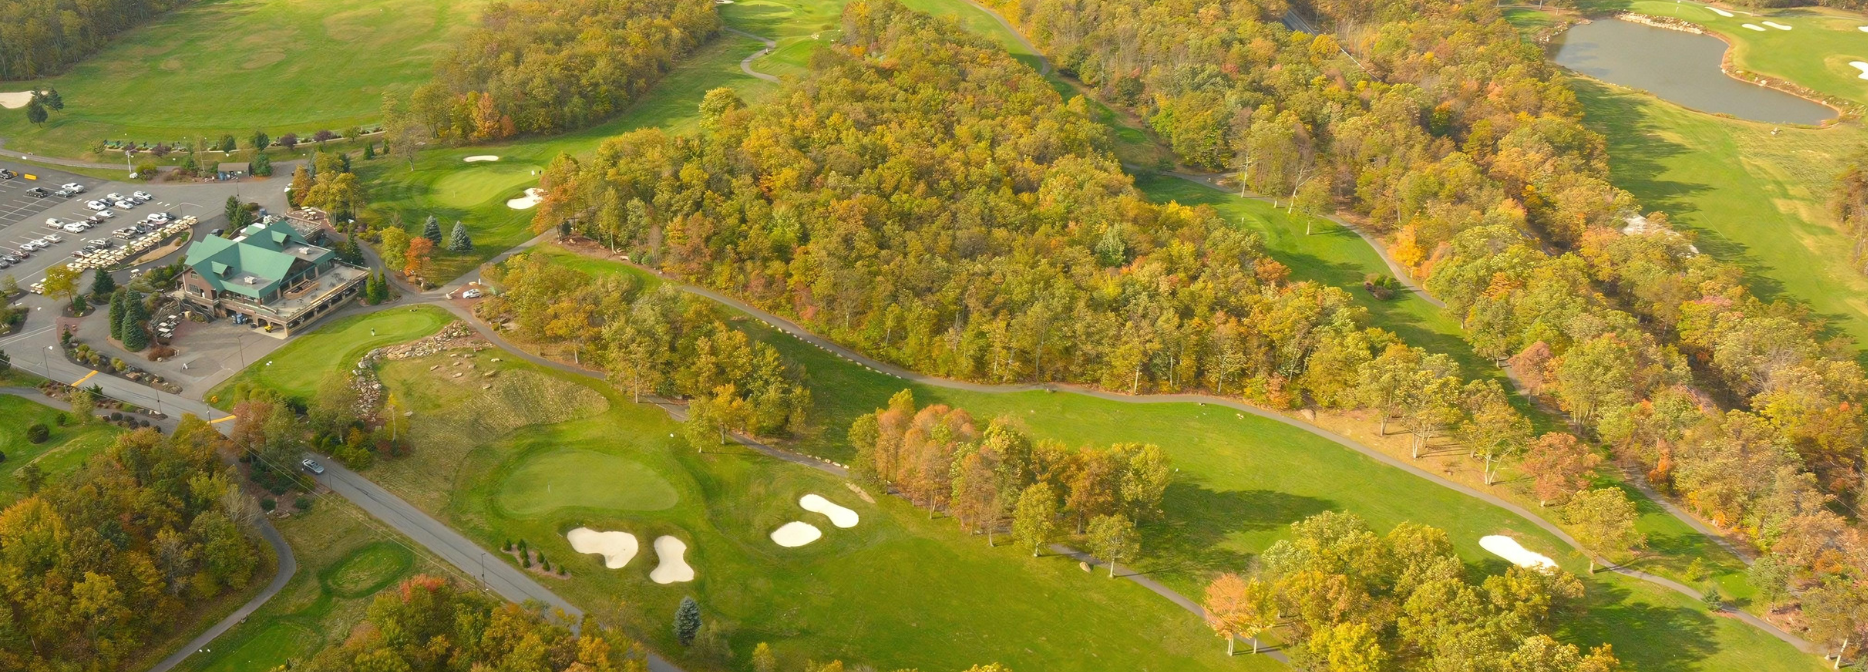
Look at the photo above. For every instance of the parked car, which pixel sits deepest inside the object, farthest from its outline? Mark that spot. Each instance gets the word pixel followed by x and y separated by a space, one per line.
pixel 126 205
pixel 106 214
pixel 160 217
pixel 113 196
pixel 72 187
pixel 143 195
pixel 53 238
pixel 95 205
pixel 216 232
pixel 471 294
pixel 54 222
pixel 105 243
pixel 39 191
pixel 63 194
pixel 311 465
pixel 76 227
pixel 7 174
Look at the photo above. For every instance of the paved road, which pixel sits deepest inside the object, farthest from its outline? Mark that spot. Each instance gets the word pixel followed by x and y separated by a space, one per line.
pixel 745 64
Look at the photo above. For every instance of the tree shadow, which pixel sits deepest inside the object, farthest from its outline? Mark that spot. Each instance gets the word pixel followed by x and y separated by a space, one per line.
pixel 1193 540
pixel 1645 636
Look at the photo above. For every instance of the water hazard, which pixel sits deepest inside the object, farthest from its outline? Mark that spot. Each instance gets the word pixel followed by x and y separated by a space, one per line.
pixel 1677 66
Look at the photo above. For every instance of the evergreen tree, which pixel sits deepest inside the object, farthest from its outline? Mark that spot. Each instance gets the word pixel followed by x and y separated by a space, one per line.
pixel 431 230
pixel 35 112
pixel 369 151
pixel 102 285
pixel 343 159
pixel 116 314
pixel 134 337
pixel 687 621
pixel 79 305
pixel 261 140
pixel 458 240
pixel 261 165
pixel 54 101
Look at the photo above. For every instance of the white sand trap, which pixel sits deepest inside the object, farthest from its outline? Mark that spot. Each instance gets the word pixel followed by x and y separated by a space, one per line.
pixel 15 99
pixel 1508 548
pixel 1755 27
pixel 673 567
pixel 1862 67
pixel 479 158
pixel 1776 25
pixel 795 534
pixel 1862 28
pixel 530 200
pixel 616 547
pixel 1720 12
pixel 839 516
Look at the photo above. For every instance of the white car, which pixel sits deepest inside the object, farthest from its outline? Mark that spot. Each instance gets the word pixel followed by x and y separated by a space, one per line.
pixel 113 196
pixel 144 195
pixel 31 246
pixel 471 294
pixel 76 227
pixel 158 217
pixel 106 214
pixel 54 222
pixel 95 205
pixel 126 205
pixel 72 187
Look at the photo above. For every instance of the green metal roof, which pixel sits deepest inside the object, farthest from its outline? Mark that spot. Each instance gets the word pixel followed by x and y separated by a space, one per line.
pixel 261 254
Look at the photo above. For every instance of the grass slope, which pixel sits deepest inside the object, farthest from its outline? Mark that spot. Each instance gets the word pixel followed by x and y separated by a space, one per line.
pixel 64 451
pixel 230 66
pixel 1753 197
pixel 304 362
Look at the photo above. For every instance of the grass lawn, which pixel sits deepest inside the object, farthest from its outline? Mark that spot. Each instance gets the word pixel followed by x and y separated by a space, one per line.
pixel 296 369
pixel 344 562
pixel 231 66
pixel 1753 198
pixel 66 450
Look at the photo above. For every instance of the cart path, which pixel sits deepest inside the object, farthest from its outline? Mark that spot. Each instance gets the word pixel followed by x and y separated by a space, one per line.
pixel 745 64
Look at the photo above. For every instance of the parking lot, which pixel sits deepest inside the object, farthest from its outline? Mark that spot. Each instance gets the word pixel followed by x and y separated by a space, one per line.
pixel 23 217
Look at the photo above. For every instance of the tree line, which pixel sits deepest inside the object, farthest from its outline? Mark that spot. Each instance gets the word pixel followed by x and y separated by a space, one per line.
pixel 1355 601
pixel 1432 120
pixel 99 563
pixel 997 478
pixel 652 340
pixel 39 38
pixel 537 67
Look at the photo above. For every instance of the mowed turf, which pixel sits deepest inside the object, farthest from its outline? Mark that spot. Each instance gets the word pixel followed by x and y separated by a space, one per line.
pixel 296 369
pixel 231 66
pixel 65 450
pixel 568 479
pixel 1755 194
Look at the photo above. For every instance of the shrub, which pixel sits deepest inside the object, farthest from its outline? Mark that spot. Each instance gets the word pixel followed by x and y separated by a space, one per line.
pixel 2 457
pixel 115 416
pixel 268 505
pixel 302 502
pixel 277 490
pixel 38 433
pixel 61 419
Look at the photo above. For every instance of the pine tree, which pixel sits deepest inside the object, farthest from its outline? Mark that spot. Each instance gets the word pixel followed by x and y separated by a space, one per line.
pixel 35 112
pixel 458 240
pixel 116 314
pixel 134 337
pixel 54 101
pixel 102 285
pixel 369 151
pixel 260 166
pixel 687 621
pixel 343 159
pixel 431 230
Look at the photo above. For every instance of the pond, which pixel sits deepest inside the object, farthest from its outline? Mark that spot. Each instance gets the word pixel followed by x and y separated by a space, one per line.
pixel 1677 66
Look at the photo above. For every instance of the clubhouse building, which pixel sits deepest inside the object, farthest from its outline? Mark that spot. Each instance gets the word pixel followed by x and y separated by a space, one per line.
pixel 270 277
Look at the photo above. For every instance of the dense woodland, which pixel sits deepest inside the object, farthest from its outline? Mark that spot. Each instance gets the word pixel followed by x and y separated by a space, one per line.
pixel 97 563
pixel 1432 120
pixel 39 38
pixel 658 341
pixel 539 66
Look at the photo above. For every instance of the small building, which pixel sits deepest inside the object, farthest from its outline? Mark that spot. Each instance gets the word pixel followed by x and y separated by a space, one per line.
pixel 270 277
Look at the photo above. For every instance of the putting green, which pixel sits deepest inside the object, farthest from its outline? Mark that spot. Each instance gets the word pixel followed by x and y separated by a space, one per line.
pixel 583 479
pixel 369 569
pixel 470 187
pixel 297 368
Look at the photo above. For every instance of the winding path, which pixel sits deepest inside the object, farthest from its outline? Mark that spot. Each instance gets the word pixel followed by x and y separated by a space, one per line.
pixel 745 64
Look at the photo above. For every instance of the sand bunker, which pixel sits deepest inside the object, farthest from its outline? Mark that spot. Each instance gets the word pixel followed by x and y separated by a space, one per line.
pixel 795 534
pixel 1859 65
pixel 1508 548
pixel 1755 27
pixel 479 158
pixel 673 567
pixel 1720 12
pixel 1776 25
pixel 15 100
pixel 839 516
pixel 528 201
pixel 616 547
pixel 1862 28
